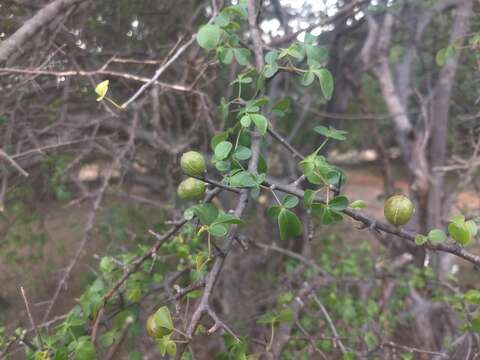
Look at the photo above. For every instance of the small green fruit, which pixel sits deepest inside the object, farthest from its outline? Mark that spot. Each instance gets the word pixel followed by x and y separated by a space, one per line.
pixel 398 210
pixel 191 188
pixel 192 163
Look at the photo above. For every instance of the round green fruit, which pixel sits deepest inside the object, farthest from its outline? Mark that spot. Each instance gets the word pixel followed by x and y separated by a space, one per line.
pixel 191 188
pixel 398 210
pixel 193 163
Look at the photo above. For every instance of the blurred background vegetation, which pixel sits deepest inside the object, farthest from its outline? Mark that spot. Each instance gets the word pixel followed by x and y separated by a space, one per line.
pixel 99 180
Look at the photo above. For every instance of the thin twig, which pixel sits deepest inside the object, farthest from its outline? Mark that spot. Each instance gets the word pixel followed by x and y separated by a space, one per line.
pixel 159 71
pixel 12 162
pixel 330 322
pixel 30 316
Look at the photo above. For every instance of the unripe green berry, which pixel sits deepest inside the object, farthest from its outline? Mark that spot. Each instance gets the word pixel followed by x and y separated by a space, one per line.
pixel 191 188
pixel 398 210
pixel 193 163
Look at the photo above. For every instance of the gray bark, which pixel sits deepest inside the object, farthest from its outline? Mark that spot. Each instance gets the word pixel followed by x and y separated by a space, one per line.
pixel 16 41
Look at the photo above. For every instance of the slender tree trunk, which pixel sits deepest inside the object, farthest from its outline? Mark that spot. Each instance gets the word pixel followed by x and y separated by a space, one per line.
pixel 439 115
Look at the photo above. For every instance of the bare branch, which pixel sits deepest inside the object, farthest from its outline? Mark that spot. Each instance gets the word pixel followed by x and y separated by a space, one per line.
pixel 16 41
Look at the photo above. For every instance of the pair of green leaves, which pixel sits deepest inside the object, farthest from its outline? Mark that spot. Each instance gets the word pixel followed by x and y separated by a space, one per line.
pixel 163 323
pixel 259 120
pixel 319 172
pixel 328 213
pixel 216 223
pixel 325 79
pixel 288 222
pixel 227 54
pixel 436 236
pixel 223 150
pixel 331 132
pixel 460 230
pixel 245 179
pixel 316 59
pixel 221 36
pixel 271 65
pixel 210 36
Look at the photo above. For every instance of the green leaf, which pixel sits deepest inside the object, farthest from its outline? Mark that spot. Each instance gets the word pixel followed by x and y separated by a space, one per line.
pixel 290 201
pixel 208 36
pixel 472 227
pixel 475 325
pixel 370 339
pixel 358 204
pixel 222 19
pixel 308 197
pixel 289 224
pixel 246 120
pixel 281 107
pixel 338 203
pixel 308 78
pixel 274 211
pixel 316 169
pixel 163 319
pixel 222 150
pixel 459 218
pixel 326 82
pixel 245 80
pixel 171 348
pixel 268 318
pixel 285 315
pixel 309 38
pixel 285 298
pixel 108 338
pixel 420 239
pixel 472 297
pixel 261 122
pixel 206 213
pixel 330 132
pixel 242 179
pixel 223 108
pixel 84 349
pixel 227 219
pixel 218 229
pixel 316 54
pixel 271 57
pixel 459 232
pixel 326 215
pixel 437 236
pixel 262 165
pixel 218 138
pixel 242 153
pixel 444 54
pixel 225 55
pixel 101 89
pixel 135 355
pixel 242 56
pixel 294 50
pixel 270 70
pixel 223 166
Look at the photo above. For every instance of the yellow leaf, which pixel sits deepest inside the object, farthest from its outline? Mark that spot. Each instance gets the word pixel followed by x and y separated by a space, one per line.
pixel 101 90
